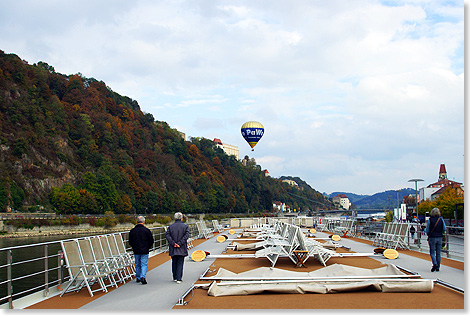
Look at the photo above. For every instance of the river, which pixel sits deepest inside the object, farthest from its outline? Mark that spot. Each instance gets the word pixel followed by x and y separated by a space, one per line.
pixel 27 253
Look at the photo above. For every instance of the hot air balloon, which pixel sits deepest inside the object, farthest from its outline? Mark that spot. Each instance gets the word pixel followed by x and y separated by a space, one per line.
pixel 252 131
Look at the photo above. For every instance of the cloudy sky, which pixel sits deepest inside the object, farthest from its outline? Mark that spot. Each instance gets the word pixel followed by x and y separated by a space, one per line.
pixel 356 96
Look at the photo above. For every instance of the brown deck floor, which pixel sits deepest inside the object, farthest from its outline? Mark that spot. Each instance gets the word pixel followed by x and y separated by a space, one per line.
pixel 440 298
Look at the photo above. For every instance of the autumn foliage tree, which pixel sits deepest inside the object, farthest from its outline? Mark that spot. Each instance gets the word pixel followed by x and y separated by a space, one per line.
pixel 446 202
pixel 74 145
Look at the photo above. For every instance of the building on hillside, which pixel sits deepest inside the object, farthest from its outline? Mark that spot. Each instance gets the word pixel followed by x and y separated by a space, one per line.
pixel 435 189
pixel 342 201
pixel 228 148
pixel 280 206
pixel 182 135
pixel 248 161
pixel 266 173
pixel 290 182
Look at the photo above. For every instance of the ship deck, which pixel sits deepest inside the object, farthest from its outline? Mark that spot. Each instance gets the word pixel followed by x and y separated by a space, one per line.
pixel 161 293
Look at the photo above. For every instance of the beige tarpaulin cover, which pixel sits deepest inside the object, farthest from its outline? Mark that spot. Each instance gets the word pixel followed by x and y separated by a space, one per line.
pixel 330 244
pixel 249 234
pixel 249 246
pixel 335 270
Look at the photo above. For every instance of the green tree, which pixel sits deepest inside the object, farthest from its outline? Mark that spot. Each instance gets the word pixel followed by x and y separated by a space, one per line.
pixel 87 202
pixel 103 189
pixel 66 199
pixel 425 206
pixel 447 200
pixel 3 196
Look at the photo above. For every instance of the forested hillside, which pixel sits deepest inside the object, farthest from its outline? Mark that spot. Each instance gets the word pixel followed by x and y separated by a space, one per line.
pixel 72 145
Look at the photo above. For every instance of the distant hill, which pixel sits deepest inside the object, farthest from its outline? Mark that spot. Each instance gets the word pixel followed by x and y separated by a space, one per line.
pixel 376 201
pixel 72 145
pixel 352 197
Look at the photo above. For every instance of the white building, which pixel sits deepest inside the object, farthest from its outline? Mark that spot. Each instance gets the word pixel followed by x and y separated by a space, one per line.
pixel 290 182
pixel 343 201
pixel 443 181
pixel 228 148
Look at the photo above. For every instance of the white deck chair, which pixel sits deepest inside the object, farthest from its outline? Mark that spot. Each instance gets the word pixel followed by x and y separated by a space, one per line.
pixel 190 243
pixel 114 261
pixel 349 228
pixel 203 230
pixel 314 249
pixel 108 264
pixel 279 247
pixel 128 257
pixel 217 227
pixel 81 274
pixel 380 236
pixel 391 238
pixel 90 260
pixel 400 236
pixel 122 259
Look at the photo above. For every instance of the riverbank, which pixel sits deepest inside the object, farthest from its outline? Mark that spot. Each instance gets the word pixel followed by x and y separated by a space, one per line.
pixel 70 230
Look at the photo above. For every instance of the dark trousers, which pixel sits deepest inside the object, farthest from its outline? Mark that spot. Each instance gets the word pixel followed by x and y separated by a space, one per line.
pixel 177 262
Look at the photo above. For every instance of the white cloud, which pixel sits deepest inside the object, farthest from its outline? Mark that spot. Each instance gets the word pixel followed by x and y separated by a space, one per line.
pixel 354 95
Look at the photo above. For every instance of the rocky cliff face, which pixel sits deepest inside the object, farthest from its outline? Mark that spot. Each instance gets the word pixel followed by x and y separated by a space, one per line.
pixel 39 173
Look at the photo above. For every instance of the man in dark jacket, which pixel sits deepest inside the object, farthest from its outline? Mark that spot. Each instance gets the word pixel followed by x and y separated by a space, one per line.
pixel 141 240
pixel 177 235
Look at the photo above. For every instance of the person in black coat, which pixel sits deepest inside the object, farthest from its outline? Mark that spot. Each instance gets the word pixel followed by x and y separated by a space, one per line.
pixel 177 235
pixel 141 240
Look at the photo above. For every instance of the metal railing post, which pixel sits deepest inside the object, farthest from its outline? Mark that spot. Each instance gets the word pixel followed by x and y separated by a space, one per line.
pixel 9 278
pixel 447 244
pixel 161 240
pixel 60 270
pixel 46 271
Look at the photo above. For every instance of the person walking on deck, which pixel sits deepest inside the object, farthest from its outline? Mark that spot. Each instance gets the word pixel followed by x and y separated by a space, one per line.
pixel 177 235
pixel 141 240
pixel 434 229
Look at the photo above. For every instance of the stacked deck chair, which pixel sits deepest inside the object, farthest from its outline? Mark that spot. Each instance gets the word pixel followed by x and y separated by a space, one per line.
pixel 203 230
pixel 114 261
pixel 314 248
pixel 385 237
pixel 399 238
pixel 81 273
pixel 345 229
pixel 393 235
pixel 280 247
pixel 90 259
pixel 127 256
pixel 123 259
pixel 217 227
pixel 108 264
pixel 323 225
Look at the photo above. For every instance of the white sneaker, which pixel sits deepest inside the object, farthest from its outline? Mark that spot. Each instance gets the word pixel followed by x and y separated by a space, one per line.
pixel 174 280
pixel 178 282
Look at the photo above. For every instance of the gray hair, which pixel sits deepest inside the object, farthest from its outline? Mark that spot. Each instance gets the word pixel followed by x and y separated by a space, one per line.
pixel 435 212
pixel 140 219
pixel 178 216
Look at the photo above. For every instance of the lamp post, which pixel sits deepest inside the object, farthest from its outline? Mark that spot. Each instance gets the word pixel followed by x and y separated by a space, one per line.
pixel 416 180
pixel 398 205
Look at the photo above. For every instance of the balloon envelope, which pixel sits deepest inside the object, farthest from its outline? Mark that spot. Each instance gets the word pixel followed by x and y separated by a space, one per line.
pixel 252 131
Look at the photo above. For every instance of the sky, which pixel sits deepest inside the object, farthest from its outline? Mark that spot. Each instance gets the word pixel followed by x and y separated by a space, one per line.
pixel 355 96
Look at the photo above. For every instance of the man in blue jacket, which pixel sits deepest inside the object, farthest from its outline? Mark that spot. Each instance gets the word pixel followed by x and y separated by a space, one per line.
pixel 177 235
pixel 141 240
